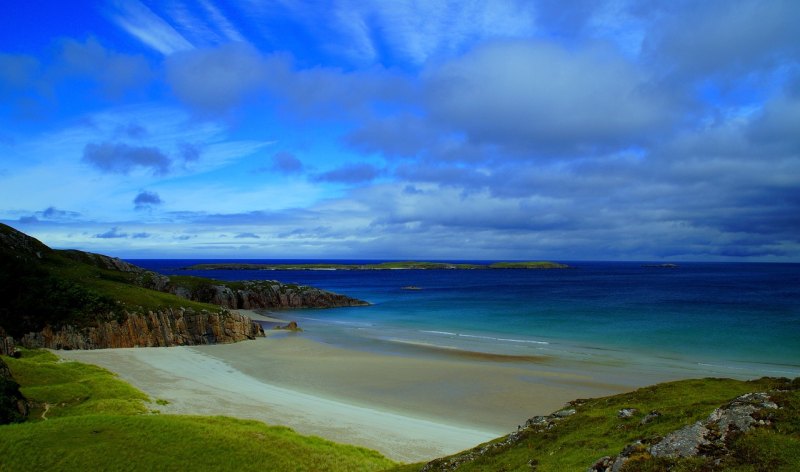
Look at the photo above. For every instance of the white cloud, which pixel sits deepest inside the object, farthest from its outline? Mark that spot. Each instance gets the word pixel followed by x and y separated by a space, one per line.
pixel 149 28
pixel 541 95
pixel 218 19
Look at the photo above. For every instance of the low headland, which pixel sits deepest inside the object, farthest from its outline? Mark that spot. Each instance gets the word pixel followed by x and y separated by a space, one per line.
pixel 67 299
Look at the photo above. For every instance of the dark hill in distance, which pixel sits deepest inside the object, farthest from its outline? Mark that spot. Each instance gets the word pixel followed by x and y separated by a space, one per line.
pixel 75 299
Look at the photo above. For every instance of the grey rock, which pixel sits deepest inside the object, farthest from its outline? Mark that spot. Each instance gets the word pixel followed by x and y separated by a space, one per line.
pixel 684 442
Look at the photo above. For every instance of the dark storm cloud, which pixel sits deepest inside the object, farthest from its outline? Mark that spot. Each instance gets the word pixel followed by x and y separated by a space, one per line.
pixel 113 233
pixel 50 214
pixel 146 200
pixel 350 174
pixel 247 236
pixel 189 152
pixel 121 158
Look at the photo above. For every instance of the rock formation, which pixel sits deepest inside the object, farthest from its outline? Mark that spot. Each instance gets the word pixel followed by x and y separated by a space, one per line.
pixel 7 344
pixel 13 405
pixel 167 327
pixel 706 438
pixel 265 294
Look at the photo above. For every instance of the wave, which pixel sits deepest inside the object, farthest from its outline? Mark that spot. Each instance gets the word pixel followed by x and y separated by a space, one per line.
pixel 490 338
pixel 339 322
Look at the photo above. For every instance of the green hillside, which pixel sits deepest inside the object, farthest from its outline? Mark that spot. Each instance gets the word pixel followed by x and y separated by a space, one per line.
pixel 40 286
pixel 587 430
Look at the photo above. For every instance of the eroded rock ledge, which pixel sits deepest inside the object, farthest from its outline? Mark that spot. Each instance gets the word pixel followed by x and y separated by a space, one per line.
pixel 167 327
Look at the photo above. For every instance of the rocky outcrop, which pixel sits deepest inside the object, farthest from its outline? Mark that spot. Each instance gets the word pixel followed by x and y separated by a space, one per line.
pixel 707 438
pixel 63 307
pixel 167 327
pixel 13 405
pixel 535 425
pixel 7 345
pixel 251 295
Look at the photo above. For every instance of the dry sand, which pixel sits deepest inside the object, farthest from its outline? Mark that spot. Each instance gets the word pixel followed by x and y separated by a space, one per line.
pixel 410 408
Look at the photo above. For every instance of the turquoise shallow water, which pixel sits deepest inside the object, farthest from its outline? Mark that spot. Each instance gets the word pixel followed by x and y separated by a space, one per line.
pixel 731 318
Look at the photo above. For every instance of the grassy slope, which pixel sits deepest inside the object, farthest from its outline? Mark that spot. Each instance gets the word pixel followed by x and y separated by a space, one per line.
pixel 40 286
pixel 596 431
pixel 97 422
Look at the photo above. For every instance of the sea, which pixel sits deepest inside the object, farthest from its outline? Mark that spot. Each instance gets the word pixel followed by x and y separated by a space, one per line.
pixel 726 319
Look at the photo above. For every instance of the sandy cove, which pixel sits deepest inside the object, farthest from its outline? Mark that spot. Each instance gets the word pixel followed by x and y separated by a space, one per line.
pixel 410 408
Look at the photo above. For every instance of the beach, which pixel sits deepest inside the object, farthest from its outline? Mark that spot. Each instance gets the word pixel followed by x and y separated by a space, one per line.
pixel 408 407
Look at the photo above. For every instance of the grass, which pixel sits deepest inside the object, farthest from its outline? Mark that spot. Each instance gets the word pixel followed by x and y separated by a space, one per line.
pixel 596 431
pixel 94 421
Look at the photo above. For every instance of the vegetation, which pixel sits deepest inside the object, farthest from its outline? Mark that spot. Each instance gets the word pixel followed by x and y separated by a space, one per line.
pixel 40 286
pixel 596 430
pixel 84 418
pixel 380 266
pixel 528 265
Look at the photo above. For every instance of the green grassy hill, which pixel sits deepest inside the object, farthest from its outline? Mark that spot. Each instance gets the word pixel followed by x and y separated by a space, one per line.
pixel 588 430
pixel 40 286
pixel 84 418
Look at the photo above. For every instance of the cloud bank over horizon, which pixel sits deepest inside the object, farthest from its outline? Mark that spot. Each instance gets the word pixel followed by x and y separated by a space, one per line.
pixel 447 130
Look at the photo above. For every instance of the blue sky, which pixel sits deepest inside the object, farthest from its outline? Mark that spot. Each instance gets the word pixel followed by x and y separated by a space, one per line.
pixel 536 129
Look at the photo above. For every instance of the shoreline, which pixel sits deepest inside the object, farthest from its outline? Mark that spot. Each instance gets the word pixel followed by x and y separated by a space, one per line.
pixel 195 382
pixel 409 408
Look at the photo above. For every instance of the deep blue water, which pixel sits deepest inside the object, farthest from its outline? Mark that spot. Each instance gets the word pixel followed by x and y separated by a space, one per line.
pixel 716 313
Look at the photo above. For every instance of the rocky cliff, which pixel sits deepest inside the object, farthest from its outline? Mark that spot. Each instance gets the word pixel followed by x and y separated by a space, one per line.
pixel 250 295
pixel 68 299
pixel 13 405
pixel 168 327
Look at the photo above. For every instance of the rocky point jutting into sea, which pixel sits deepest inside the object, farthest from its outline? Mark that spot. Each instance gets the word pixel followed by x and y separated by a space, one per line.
pixel 68 299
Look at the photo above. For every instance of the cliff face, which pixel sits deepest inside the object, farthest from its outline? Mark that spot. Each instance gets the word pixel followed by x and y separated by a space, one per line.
pixel 168 327
pixel 7 345
pixel 266 294
pixel 13 405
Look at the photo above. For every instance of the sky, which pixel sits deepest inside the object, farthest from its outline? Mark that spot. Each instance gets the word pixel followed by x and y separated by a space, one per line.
pixel 373 129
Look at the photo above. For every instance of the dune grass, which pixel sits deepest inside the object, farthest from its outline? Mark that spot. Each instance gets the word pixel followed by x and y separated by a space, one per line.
pixel 85 418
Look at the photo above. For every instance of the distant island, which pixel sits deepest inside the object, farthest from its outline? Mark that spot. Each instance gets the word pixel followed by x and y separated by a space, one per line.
pixel 380 266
